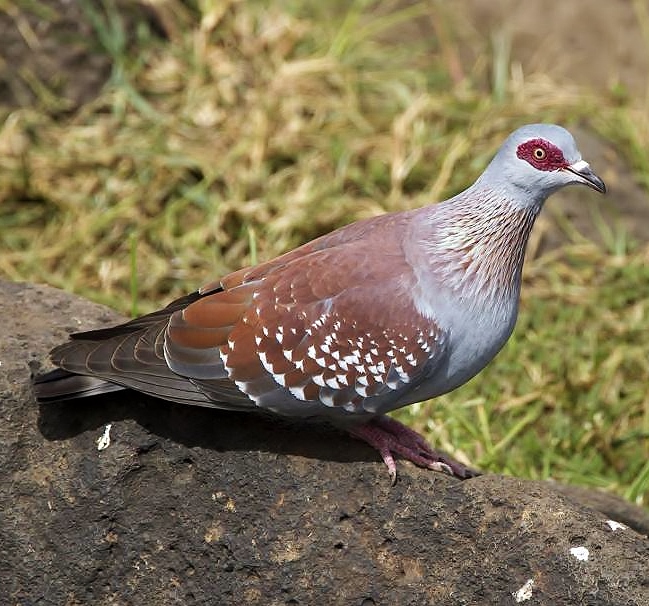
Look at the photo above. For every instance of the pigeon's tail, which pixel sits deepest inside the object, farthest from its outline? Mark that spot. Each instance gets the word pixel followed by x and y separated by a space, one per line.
pixel 58 385
pixel 87 362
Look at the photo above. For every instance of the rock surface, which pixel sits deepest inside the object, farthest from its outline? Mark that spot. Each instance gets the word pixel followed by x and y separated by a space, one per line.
pixel 194 506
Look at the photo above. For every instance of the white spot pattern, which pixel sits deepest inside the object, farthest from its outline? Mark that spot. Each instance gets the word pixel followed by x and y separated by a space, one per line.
pixel 360 366
pixel 581 553
pixel 325 358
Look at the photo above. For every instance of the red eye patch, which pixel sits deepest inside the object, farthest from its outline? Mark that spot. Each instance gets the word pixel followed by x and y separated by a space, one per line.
pixel 541 154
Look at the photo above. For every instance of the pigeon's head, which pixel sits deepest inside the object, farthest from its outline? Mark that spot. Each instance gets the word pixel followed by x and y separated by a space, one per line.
pixel 538 159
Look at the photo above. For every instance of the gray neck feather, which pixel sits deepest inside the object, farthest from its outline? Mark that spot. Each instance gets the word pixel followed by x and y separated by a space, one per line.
pixel 476 242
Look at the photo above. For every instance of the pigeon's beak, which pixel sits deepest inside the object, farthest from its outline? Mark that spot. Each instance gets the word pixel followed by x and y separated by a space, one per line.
pixel 586 176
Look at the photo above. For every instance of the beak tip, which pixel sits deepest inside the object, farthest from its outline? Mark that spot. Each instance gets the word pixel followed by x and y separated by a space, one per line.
pixel 596 183
pixel 587 176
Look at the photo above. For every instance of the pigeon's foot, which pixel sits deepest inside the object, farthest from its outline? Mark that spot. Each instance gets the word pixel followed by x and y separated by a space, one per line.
pixel 391 437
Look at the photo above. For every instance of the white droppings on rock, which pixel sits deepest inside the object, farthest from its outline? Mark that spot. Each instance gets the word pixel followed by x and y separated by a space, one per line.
pixel 613 525
pixel 581 553
pixel 103 441
pixel 525 592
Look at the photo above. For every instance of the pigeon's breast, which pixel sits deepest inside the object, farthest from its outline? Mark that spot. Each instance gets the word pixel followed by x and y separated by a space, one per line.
pixel 476 334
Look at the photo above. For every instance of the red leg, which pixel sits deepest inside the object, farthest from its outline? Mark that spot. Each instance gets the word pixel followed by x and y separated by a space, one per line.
pixel 391 437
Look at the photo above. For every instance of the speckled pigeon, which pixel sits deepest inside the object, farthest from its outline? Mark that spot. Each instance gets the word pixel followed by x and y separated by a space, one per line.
pixel 376 315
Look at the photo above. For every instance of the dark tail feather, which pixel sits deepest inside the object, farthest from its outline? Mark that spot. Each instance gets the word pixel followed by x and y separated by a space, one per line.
pixel 88 354
pixel 58 385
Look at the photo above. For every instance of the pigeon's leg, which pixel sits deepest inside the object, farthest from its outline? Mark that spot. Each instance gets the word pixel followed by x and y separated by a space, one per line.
pixel 389 436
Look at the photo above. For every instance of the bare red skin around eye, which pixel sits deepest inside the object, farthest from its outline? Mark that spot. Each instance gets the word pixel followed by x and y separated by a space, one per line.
pixel 553 160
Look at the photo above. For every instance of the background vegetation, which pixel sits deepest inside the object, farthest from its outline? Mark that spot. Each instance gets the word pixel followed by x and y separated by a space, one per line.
pixel 228 132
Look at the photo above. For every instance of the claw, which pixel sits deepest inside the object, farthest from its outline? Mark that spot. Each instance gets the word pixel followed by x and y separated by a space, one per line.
pixel 389 436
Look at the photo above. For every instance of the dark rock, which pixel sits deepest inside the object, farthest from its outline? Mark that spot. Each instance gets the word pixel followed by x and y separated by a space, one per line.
pixel 195 506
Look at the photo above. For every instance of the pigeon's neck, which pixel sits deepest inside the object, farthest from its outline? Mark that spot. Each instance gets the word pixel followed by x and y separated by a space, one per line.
pixel 476 243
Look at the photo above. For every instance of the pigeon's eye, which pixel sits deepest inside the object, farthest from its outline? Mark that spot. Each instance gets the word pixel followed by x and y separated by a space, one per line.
pixel 539 153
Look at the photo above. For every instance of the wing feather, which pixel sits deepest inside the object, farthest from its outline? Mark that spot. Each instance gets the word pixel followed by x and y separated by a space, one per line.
pixel 329 328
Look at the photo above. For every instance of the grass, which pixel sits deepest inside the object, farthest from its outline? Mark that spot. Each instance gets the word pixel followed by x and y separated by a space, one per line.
pixel 249 130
